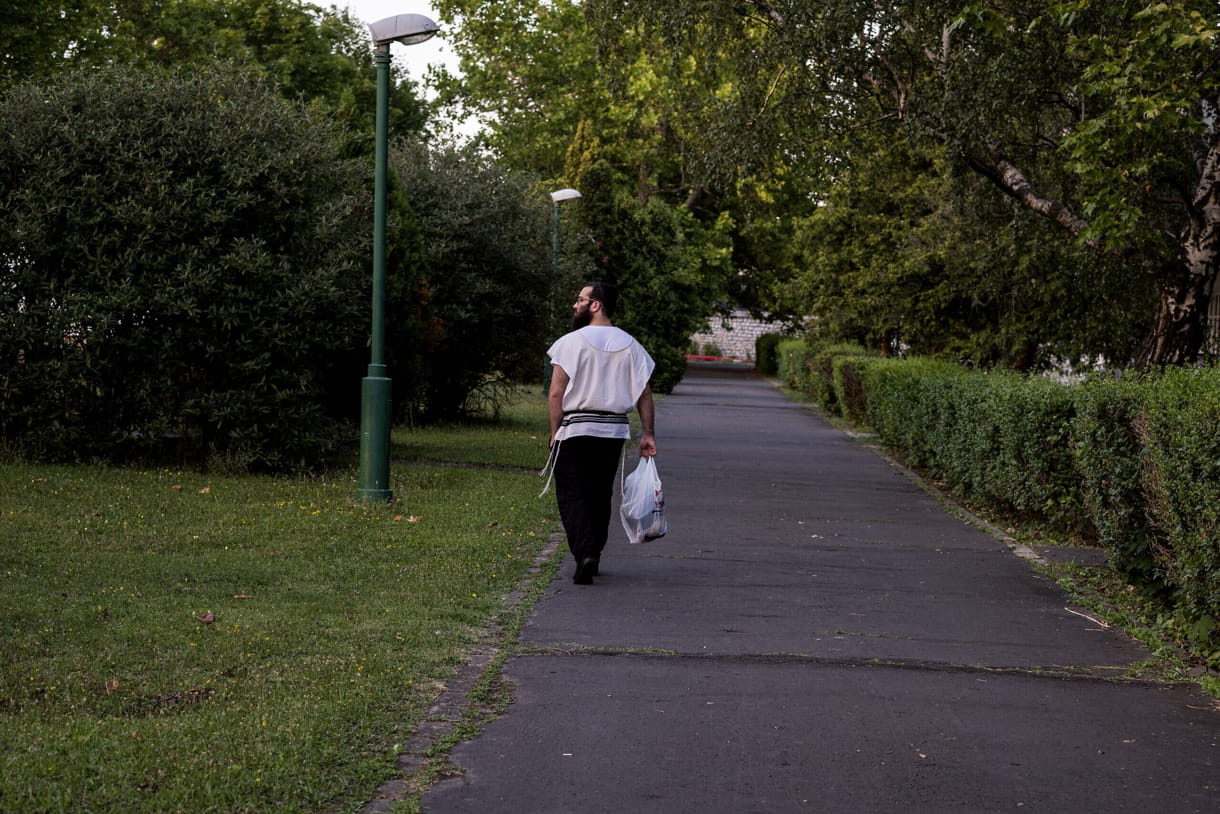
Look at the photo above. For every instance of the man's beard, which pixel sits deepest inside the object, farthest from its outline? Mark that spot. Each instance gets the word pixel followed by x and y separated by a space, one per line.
pixel 580 319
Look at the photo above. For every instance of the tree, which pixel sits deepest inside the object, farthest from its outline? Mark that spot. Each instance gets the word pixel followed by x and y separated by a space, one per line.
pixel 320 55
pixel 164 272
pixel 670 269
pixel 484 235
pixel 904 255
pixel 529 67
pixel 35 34
pixel 617 117
pixel 1101 118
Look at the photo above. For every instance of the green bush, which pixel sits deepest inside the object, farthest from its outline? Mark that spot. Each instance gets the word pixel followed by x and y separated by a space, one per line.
pixel 1134 460
pixel 1001 438
pixel 822 386
pixel 485 299
pixel 182 260
pixel 1108 439
pixel 1180 427
pixel 848 388
pixel 766 353
pixel 792 357
pixel 1032 470
pixel 909 403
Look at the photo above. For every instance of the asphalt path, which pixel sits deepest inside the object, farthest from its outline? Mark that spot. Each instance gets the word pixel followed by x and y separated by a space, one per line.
pixel 819 634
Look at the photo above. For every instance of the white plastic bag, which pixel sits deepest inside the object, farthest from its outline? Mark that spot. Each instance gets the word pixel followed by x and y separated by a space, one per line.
pixel 643 508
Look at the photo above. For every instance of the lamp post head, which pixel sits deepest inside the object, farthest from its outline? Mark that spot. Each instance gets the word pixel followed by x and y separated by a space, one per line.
pixel 409 29
pixel 564 195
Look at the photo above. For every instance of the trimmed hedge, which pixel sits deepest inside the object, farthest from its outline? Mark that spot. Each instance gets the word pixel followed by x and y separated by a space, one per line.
pixel 766 353
pixel 1179 427
pixel 1108 446
pixel 1000 438
pixel 792 364
pixel 1133 461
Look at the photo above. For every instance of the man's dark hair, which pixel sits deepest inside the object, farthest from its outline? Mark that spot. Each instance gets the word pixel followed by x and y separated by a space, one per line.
pixel 607 295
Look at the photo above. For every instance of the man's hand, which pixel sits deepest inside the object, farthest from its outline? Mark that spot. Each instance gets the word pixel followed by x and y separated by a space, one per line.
pixel 648 446
pixel 648 416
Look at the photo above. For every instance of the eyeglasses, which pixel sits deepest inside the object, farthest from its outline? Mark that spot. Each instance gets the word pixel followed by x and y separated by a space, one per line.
pixel 579 300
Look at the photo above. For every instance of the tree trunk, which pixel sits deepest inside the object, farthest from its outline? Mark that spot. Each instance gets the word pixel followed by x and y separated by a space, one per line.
pixel 1181 319
pixel 1186 285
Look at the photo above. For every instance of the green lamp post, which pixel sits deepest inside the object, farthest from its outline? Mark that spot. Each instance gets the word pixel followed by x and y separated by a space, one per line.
pixel 557 198
pixel 376 392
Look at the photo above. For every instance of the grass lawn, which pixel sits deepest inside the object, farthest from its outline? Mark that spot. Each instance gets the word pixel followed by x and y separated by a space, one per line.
pixel 181 642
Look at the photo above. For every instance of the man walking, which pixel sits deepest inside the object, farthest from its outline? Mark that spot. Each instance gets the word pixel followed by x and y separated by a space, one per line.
pixel 599 372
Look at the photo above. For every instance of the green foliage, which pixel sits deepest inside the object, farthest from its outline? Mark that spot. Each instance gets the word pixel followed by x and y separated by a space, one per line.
pixel 794 365
pixel 1147 92
pixel 826 381
pixel 766 353
pixel 319 55
pixel 1181 484
pixel 166 271
pixel 847 377
pixel 910 404
pixel 893 115
pixel 608 110
pixel 34 34
pixel 903 255
pixel 1000 438
pixel 1109 434
pixel 670 268
pixel 666 285
pixel 531 68
pixel 485 296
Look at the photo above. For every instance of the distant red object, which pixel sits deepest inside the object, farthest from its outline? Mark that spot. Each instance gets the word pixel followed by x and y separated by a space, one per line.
pixel 718 359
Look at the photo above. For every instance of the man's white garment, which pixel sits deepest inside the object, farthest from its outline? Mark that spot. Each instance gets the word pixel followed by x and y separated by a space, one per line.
pixel 607 372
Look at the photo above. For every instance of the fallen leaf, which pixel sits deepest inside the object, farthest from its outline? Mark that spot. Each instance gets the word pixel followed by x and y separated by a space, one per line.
pixel 177 487
pixel 207 618
pixel 243 596
pixel 397 517
pixel 415 518
pixel 207 490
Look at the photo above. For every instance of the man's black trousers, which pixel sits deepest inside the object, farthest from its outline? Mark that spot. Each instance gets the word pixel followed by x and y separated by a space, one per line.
pixel 585 472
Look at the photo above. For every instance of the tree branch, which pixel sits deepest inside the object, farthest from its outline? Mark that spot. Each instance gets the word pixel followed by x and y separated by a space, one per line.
pixel 767 10
pixel 989 160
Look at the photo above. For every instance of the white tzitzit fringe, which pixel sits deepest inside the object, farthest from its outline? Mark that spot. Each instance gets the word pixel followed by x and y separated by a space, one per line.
pixel 549 469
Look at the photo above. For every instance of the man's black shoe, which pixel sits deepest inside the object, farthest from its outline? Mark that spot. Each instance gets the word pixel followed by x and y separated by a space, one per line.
pixel 586 567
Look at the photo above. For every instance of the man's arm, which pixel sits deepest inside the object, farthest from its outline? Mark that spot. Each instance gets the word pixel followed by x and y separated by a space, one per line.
pixel 647 411
pixel 554 399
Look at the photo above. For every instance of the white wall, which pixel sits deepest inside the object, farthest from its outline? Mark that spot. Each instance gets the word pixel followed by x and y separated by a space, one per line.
pixel 735 341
